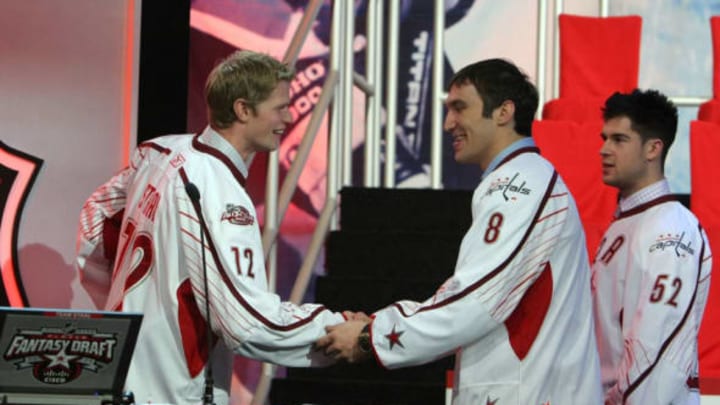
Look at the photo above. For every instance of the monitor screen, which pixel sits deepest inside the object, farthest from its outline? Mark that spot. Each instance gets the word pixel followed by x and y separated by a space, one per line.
pixel 52 351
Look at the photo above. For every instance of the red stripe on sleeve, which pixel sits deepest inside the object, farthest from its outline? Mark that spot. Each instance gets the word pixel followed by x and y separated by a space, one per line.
pixel 523 325
pixel 193 330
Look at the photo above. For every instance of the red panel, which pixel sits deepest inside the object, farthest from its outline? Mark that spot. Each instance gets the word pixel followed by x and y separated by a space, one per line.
pixel 705 195
pixel 574 149
pixel 710 386
pixel 709 337
pixel 704 171
pixel 710 111
pixel 523 325
pixel 128 81
pixel 574 109
pixel 193 330
pixel 715 29
pixel 598 56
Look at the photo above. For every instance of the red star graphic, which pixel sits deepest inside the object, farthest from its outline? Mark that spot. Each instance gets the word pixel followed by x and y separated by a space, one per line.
pixel 491 401
pixel 394 338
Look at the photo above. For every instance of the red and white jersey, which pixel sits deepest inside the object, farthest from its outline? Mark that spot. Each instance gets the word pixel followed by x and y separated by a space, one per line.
pixel 518 309
pixel 159 272
pixel 98 230
pixel 650 282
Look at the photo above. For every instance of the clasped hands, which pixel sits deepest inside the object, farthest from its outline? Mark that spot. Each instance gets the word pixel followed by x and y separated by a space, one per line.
pixel 341 340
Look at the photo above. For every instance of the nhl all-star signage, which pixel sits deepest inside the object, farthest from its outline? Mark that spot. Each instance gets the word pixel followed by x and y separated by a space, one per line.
pixel 65 352
pixel 58 355
pixel 17 175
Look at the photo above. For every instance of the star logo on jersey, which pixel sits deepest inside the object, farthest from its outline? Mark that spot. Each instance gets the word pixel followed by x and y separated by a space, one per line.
pixel 675 242
pixel 237 215
pixel 489 401
pixel 510 187
pixel 394 338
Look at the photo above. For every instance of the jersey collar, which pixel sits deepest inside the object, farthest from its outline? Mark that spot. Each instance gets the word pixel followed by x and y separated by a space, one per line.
pixel 526 142
pixel 658 189
pixel 209 141
pixel 211 138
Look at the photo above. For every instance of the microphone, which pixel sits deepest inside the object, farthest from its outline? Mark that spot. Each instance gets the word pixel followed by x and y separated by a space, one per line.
pixel 194 194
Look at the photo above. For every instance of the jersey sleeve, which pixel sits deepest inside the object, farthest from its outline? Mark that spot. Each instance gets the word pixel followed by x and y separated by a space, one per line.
pixel 517 217
pixel 98 228
pixel 251 320
pixel 663 287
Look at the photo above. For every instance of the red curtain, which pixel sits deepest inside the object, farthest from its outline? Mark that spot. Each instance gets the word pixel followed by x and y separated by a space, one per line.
pixel 705 199
pixel 574 149
pixel 598 56
pixel 710 110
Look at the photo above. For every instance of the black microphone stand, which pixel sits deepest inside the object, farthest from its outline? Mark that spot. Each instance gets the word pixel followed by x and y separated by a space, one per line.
pixel 208 395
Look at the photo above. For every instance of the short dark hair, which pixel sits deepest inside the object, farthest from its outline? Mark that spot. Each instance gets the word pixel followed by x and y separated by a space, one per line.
pixel 651 114
pixel 498 80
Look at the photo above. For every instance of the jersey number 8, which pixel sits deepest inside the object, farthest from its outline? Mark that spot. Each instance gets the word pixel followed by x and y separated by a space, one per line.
pixel 493 229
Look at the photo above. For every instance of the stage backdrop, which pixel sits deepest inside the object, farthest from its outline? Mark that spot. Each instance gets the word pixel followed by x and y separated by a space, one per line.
pixel 476 29
pixel 67 111
pixel 66 115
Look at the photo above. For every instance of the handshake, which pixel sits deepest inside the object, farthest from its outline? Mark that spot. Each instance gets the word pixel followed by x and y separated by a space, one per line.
pixel 348 341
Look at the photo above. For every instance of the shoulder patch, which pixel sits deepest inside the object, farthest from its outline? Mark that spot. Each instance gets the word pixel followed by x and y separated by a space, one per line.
pixel 675 242
pixel 509 187
pixel 177 161
pixel 237 215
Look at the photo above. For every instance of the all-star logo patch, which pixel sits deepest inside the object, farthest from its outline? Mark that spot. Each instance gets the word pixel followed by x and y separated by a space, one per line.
pixel 509 186
pixel 177 161
pixel 237 215
pixel 60 355
pixel 675 242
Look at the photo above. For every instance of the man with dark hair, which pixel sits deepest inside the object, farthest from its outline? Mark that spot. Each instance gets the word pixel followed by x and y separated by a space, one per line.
pixel 651 272
pixel 518 310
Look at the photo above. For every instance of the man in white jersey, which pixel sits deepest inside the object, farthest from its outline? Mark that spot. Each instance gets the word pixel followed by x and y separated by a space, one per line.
pixel 178 191
pixel 518 310
pixel 651 272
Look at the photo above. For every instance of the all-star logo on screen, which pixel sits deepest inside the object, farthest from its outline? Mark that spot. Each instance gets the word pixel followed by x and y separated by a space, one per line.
pixel 59 355
pixel 17 175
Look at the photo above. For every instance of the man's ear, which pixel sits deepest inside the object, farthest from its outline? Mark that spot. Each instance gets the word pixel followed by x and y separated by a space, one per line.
pixel 242 110
pixel 505 113
pixel 653 149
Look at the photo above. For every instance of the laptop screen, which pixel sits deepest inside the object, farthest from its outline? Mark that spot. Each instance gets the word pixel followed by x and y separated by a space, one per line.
pixel 65 352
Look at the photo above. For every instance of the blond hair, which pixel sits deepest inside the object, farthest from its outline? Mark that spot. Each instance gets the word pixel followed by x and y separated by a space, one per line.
pixel 246 75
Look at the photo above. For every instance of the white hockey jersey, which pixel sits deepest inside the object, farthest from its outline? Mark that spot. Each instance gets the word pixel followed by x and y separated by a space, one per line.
pixel 159 271
pixel 651 276
pixel 518 309
pixel 98 231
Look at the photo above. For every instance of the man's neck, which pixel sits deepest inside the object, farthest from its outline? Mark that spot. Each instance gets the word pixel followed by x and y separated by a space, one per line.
pixel 233 134
pixel 652 177
pixel 503 139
